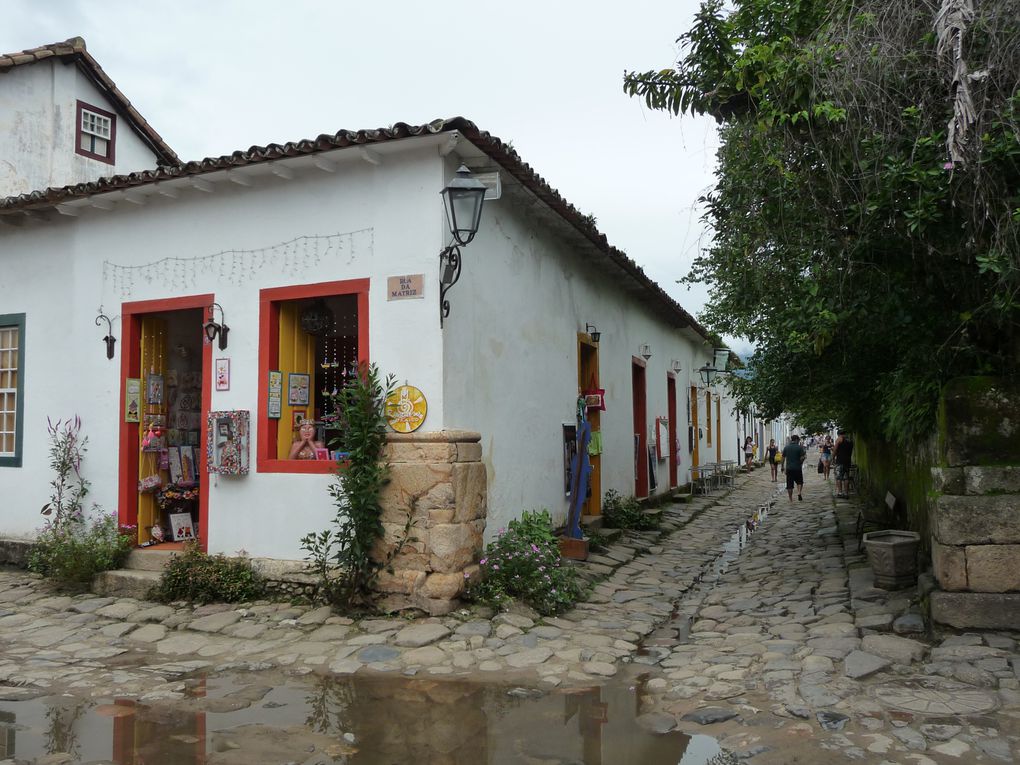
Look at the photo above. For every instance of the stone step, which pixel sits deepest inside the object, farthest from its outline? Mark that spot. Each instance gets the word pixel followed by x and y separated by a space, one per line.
pixel 125 583
pixel 148 559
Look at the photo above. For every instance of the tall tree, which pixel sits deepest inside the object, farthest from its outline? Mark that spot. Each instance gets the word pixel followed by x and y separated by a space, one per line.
pixel 866 216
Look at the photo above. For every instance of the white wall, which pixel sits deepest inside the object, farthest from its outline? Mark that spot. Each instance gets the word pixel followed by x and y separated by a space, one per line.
pixel 37 131
pixel 511 362
pixel 55 274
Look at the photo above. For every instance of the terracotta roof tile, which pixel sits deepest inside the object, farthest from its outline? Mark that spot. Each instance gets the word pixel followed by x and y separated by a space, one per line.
pixel 501 153
pixel 73 50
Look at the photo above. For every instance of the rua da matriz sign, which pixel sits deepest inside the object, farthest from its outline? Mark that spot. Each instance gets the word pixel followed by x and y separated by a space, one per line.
pixel 407 287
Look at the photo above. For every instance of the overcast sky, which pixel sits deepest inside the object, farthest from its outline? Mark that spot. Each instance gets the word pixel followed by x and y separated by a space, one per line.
pixel 216 76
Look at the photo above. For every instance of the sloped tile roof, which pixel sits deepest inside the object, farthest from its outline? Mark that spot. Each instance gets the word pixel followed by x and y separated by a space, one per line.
pixel 73 51
pixel 500 152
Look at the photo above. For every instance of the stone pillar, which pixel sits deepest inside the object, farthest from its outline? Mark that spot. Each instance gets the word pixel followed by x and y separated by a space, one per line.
pixel 438 483
pixel 976 518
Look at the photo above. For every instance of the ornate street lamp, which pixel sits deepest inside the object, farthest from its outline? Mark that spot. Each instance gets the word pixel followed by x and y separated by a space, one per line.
pixel 212 329
pixel 462 199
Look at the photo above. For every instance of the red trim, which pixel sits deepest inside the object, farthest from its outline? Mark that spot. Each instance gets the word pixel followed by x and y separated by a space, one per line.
pixel 640 427
pixel 130 366
pixel 674 447
pixel 111 155
pixel 269 357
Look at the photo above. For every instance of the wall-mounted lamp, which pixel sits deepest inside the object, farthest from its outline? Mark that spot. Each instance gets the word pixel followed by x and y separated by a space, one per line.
pixel 110 340
pixel 212 329
pixel 593 333
pixel 462 200
pixel 646 351
pixel 676 365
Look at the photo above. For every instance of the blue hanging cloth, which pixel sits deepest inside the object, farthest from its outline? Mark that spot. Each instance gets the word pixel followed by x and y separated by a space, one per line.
pixel 580 470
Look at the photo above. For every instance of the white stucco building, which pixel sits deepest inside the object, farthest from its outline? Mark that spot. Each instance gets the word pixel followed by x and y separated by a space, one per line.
pixel 299 246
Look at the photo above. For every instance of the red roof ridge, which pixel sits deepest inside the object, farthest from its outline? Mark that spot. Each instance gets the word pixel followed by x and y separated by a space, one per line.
pixel 74 50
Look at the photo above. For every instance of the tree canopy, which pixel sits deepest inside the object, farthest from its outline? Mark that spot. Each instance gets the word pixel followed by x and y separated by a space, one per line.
pixel 866 215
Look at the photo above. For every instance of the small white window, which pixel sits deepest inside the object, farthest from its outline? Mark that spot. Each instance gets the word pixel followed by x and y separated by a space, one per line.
pixel 8 390
pixel 96 133
pixel 95 124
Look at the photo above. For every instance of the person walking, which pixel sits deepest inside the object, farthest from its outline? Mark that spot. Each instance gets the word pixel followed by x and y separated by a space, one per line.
pixel 843 457
pixel 826 456
pixel 772 455
pixel 748 452
pixel 793 463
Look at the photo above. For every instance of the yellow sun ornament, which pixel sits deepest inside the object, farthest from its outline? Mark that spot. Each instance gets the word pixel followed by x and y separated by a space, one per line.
pixel 406 408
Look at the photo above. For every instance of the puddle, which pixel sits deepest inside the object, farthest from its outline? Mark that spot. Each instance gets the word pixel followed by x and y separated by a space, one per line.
pixel 233 720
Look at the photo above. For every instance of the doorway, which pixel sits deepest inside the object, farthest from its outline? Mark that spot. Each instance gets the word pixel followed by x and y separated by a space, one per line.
pixel 588 380
pixel 639 394
pixel 166 384
pixel 674 446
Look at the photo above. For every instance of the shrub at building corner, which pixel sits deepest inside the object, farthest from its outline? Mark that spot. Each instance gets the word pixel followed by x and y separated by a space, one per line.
pixel 200 578
pixel 72 547
pixel 523 563
pixel 342 556
pixel 619 512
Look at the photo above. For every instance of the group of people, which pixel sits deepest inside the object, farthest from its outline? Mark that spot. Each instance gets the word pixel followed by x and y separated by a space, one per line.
pixel 793 456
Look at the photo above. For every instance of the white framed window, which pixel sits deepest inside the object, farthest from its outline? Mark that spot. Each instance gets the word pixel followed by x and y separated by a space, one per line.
pixel 12 355
pixel 95 133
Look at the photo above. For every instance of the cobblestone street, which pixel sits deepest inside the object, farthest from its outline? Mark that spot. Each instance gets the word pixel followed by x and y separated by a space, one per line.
pixel 776 644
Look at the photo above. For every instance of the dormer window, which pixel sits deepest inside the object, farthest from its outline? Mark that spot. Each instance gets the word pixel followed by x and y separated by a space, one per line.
pixel 95 134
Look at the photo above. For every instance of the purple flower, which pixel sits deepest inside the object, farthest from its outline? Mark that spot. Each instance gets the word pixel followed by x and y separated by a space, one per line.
pixel 495 567
pixel 948 165
pixel 483 561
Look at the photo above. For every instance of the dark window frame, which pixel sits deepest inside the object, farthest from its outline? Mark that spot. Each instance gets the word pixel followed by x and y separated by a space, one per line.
pixel 8 320
pixel 111 154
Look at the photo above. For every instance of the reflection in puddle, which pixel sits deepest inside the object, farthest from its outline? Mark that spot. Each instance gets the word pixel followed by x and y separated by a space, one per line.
pixel 230 720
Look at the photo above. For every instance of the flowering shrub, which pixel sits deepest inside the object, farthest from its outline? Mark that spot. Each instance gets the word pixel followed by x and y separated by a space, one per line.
pixel 523 563
pixel 619 512
pixel 73 551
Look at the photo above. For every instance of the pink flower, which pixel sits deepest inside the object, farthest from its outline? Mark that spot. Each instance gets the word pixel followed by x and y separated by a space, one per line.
pixel 483 561
pixel 948 165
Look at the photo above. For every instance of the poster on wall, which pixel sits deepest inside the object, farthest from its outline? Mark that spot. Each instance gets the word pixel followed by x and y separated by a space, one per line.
pixel 297 389
pixel 275 394
pixel 222 374
pixel 154 389
pixel 132 399
pixel 228 442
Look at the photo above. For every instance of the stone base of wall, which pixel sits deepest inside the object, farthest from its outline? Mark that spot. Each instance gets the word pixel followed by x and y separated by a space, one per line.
pixel 438 484
pixel 968 610
pixel 14 552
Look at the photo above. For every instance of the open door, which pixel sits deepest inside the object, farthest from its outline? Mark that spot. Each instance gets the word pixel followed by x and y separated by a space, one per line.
pixel 588 380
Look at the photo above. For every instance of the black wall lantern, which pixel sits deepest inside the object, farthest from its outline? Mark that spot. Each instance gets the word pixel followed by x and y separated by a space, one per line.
pixel 593 333
pixel 212 329
pixel 462 199
pixel 110 340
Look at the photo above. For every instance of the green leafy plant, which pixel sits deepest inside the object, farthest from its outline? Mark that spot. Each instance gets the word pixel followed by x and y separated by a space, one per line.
pixel 619 512
pixel 345 556
pixel 523 563
pixel 68 488
pixel 197 577
pixel 72 552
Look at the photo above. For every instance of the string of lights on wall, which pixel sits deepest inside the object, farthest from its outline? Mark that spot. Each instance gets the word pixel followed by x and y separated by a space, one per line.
pixel 292 258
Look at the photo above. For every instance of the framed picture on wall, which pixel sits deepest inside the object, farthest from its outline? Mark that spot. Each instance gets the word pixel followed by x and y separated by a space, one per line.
pixel 228 441
pixel 222 374
pixel 275 394
pixel 154 389
pixel 132 399
pixel 297 389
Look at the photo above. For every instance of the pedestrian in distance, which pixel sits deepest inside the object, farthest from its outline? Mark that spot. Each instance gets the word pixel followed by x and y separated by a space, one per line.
pixel 748 452
pixel 843 453
pixel 773 456
pixel 826 456
pixel 793 462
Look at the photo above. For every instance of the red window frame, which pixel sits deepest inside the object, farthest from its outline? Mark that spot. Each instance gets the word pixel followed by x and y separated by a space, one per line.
pixel 269 358
pixel 111 154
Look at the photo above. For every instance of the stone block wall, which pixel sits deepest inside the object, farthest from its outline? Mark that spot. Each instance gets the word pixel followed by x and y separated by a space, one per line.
pixel 438 485
pixel 975 522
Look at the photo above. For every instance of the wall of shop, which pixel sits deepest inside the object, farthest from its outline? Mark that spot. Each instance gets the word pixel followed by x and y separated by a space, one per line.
pixel 229 242
pixel 511 362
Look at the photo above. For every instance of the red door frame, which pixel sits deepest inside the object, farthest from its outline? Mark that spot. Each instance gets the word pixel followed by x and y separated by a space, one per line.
pixel 639 393
pixel 674 447
pixel 130 366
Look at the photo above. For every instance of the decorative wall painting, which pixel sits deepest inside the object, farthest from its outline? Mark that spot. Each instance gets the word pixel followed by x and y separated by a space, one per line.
pixel 154 389
pixel 595 398
pixel 174 457
pixel 188 475
pixel 222 374
pixel 275 407
pixel 228 442
pixel 132 399
pixel 297 389
pixel 406 408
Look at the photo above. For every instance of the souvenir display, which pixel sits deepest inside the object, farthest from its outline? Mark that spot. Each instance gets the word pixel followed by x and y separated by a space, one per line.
pixel 154 389
pixel 227 442
pixel 406 408
pixel 297 389
pixel 132 399
pixel 181 527
pixel 275 394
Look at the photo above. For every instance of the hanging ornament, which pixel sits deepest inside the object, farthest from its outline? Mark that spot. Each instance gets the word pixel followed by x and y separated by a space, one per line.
pixel 316 318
